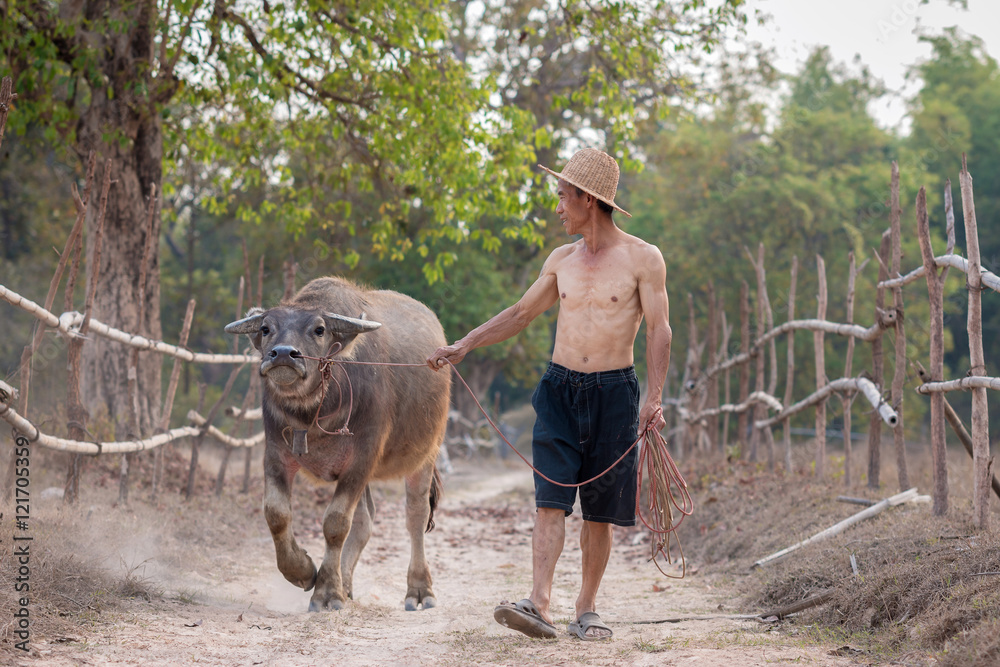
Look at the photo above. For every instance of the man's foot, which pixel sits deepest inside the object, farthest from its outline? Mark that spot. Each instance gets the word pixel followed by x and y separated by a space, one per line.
pixel 589 627
pixel 524 617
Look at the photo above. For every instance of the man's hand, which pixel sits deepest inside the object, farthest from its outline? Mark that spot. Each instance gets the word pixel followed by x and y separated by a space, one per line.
pixel 651 417
pixel 443 355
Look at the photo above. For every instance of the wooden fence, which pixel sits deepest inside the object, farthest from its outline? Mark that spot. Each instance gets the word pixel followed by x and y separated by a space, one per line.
pixel 697 407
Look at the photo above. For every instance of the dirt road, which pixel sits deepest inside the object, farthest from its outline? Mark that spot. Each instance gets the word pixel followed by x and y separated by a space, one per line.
pixel 217 598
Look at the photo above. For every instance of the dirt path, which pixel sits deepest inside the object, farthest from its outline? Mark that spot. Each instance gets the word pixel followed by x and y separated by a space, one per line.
pixel 219 599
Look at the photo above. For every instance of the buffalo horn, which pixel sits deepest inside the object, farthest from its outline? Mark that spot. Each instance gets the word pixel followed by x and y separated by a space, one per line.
pixel 349 325
pixel 248 325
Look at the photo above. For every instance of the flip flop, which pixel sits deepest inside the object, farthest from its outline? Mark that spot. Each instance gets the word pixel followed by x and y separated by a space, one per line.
pixel 523 616
pixel 588 620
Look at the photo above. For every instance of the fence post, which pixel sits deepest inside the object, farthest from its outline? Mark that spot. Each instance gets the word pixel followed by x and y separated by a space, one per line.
pixel 727 332
pixel 820 357
pixel 168 402
pixel 790 364
pixel 741 422
pixel 878 366
pixel 712 381
pixel 899 374
pixel 76 414
pixel 847 398
pixel 935 293
pixel 981 460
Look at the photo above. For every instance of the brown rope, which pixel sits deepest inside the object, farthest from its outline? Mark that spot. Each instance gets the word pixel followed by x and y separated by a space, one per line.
pixel 667 491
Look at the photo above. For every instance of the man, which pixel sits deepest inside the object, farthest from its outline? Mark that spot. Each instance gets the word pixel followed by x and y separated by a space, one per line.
pixel 587 403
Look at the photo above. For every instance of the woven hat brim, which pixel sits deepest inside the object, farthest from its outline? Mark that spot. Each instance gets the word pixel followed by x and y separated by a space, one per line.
pixel 590 192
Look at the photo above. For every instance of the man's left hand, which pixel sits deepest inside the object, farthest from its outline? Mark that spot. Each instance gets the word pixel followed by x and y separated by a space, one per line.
pixel 651 417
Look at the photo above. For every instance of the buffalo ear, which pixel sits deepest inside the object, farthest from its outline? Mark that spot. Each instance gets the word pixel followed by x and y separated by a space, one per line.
pixel 249 325
pixel 349 326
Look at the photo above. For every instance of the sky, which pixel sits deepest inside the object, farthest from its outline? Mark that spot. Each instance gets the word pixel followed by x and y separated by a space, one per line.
pixel 882 32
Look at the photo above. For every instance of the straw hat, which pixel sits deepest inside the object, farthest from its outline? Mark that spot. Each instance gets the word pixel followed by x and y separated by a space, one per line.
pixel 595 172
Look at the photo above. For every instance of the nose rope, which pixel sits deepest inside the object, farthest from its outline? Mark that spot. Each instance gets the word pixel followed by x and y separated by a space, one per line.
pixel 667 488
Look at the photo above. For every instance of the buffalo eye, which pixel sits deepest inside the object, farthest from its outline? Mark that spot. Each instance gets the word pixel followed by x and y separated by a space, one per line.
pixel 320 331
pixel 265 330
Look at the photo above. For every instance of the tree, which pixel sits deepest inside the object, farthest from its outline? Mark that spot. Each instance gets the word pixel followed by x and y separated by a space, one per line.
pixel 816 182
pixel 374 88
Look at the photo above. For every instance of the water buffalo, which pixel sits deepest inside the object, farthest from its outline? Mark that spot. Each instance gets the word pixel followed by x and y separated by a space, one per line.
pixel 352 424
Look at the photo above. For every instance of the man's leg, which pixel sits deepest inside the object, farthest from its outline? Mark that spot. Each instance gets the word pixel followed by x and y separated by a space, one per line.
pixel 546 546
pixel 595 544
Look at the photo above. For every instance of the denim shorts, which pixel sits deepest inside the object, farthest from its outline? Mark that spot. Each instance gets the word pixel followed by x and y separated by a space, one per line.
pixel 584 423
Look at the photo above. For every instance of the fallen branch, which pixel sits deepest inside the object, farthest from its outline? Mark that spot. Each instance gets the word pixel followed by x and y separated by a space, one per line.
pixel 801 605
pixel 835 529
pixel 855 501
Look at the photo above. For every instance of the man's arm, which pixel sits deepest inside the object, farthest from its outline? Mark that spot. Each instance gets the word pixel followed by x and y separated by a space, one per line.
pixel 655 304
pixel 541 296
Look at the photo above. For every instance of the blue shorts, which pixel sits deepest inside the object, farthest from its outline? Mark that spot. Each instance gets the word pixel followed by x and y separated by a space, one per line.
pixel 585 422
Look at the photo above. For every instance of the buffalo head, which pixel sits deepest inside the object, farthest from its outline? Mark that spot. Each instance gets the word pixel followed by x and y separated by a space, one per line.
pixel 286 336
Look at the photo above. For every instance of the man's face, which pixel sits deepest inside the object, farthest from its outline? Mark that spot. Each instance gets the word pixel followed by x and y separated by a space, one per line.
pixel 572 208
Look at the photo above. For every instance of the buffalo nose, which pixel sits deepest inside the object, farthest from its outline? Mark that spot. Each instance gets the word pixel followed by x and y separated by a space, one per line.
pixel 280 351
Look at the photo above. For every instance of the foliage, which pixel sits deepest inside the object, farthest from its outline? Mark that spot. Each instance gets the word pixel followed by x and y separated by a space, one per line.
pixel 816 183
pixel 955 113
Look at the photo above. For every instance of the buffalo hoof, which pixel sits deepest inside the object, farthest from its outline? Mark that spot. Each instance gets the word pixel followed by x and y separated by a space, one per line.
pixel 330 605
pixel 412 604
pixel 304 584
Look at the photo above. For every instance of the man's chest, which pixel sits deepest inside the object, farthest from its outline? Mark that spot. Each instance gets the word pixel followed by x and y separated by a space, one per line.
pixel 595 284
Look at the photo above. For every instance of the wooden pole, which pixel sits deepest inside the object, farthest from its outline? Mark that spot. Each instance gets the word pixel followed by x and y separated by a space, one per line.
pixel 878 366
pixel 135 425
pixel 7 96
pixel 958 427
pixel 168 401
pixel 727 332
pixel 820 357
pixel 847 398
pixel 254 382
pixel 790 363
pixel 935 293
pixel 838 528
pixel 75 412
pixel 899 375
pixel 75 239
pixel 982 462
pixel 220 478
pixel 741 423
pixel 759 410
pixel 712 387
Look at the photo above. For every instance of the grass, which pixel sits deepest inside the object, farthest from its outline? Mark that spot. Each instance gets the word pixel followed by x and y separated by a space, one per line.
pixel 917 597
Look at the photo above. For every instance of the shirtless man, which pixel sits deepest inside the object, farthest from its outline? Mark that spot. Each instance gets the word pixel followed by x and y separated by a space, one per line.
pixel 587 402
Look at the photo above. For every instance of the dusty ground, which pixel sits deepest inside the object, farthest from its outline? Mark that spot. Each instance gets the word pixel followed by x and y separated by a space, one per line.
pixel 216 598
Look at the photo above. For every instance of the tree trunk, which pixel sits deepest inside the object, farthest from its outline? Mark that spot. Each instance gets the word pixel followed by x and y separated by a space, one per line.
pixel 123 124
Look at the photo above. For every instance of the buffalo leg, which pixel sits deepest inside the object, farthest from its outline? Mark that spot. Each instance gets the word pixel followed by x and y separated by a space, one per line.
pixel 293 562
pixel 337 520
pixel 361 531
pixel 418 510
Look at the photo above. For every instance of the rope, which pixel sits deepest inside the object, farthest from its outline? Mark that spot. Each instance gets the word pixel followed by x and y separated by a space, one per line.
pixel 667 491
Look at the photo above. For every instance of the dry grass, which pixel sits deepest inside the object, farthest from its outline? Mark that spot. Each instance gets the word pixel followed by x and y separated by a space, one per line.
pixel 922 593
